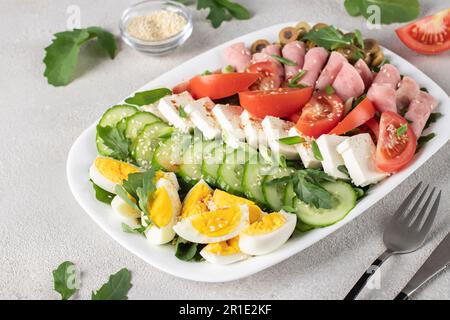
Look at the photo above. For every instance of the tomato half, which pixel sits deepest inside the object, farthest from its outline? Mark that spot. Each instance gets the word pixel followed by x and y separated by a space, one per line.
pixel 374 127
pixel 394 150
pixel 269 72
pixel 355 118
pixel 281 102
pixel 321 114
pixel 430 35
pixel 217 86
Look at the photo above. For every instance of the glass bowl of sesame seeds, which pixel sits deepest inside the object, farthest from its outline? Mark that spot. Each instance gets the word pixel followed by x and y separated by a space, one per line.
pixel 156 27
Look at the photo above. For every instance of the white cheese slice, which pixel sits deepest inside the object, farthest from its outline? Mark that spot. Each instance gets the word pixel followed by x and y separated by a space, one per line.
pixel 170 106
pixel 358 153
pixel 331 158
pixel 200 114
pixel 304 149
pixel 228 118
pixel 253 130
pixel 275 129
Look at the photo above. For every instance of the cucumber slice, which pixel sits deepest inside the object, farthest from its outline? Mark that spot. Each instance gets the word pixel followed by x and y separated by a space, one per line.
pixel 113 116
pixel 212 159
pixel 167 155
pixel 254 174
pixel 289 195
pixel 274 193
pixel 147 141
pixel 345 198
pixel 191 162
pixel 137 121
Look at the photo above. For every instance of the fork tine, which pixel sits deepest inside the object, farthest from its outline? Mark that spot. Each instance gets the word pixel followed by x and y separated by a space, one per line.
pixel 417 222
pixel 430 219
pixel 410 215
pixel 401 210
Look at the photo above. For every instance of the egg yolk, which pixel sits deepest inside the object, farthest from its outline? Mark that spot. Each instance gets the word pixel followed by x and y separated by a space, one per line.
pixel 114 170
pixel 197 200
pixel 219 222
pixel 223 199
pixel 268 223
pixel 160 208
pixel 224 248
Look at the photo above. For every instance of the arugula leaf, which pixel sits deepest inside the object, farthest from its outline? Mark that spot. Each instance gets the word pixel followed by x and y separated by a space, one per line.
pixel 309 190
pixel 127 229
pixel 284 61
pixel 352 7
pixel 140 186
pixel 291 140
pixel 61 56
pixel 329 38
pixel 223 10
pixel 102 195
pixel 424 89
pixel 64 280
pixel 148 97
pixel 115 139
pixel 316 151
pixel 435 116
pixel 359 40
pixel 402 129
pixel 423 140
pixel 116 288
pixel 122 193
pixel 235 9
pixel 187 251
pixel 329 90
pixel 342 168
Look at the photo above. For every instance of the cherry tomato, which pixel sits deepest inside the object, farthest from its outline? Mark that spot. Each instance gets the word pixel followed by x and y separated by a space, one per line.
pixel 395 147
pixel 217 86
pixel 270 75
pixel 355 118
pixel 321 114
pixel 281 102
pixel 429 35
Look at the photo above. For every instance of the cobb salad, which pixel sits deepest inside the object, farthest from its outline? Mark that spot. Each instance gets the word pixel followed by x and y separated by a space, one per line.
pixel 284 137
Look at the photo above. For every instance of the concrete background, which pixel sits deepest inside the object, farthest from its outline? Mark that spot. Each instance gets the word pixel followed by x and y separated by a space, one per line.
pixel 41 225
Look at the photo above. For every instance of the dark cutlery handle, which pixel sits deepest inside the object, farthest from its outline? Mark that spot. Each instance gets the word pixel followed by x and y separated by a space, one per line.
pixel 402 296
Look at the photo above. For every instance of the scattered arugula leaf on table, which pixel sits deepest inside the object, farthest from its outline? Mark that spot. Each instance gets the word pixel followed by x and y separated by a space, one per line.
pixel 148 97
pixel 102 195
pixel 116 288
pixel 64 280
pixel 61 56
pixel 223 10
pixel 391 11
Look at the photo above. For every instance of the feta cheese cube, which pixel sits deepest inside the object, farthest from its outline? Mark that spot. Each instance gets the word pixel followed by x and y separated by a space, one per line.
pixel 253 130
pixel 170 106
pixel 305 151
pixel 228 118
pixel 275 129
pixel 200 114
pixel 358 153
pixel 331 158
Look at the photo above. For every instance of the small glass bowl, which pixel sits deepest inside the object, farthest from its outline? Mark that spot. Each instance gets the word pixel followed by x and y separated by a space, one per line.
pixel 155 47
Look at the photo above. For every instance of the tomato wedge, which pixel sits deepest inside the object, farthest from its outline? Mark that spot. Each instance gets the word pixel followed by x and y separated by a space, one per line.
pixel 217 86
pixel 270 75
pixel 181 87
pixel 355 118
pixel 321 114
pixel 374 127
pixel 429 35
pixel 277 103
pixel 395 148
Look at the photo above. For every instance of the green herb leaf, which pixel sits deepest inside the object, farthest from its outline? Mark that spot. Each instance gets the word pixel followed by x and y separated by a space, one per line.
pixel 316 151
pixel 299 75
pixel 329 90
pixel 126 228
pixel 391 11
pixel 148 97
pixel 206 73
pixel 235 9
pixel 424 89
pixel 183 113
pixel 284 61
pixel 228 69
pixel 116 288
pixel 61 56
pixel 115 139
pixel 353 7
pixel 402 129
pixel 359 40
pixel 102 195
pixel 358 101
pixel 423 140
pixel 140 186
pixel 64 280
pixel 187 251
pixel 291 140
pixel 122 193
pixel 309 190
pixel 342 168
pixel 360 192
pixel 329 38
pixel 432 119
pixel 217 13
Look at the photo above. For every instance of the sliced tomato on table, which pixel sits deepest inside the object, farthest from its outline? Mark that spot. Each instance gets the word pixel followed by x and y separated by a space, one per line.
pixel 270 75
pixel 429 35
pixel 221 85
pixel 363 112
pixel 281 102
pixel 321 114
pixel 396 143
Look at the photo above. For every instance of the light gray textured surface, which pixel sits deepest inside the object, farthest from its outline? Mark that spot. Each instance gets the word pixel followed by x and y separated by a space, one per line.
pixel 41 225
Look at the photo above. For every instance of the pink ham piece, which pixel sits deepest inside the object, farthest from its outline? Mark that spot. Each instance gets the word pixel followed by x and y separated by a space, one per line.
pixel 238 56
pixel 348 83
pixel 272 49
pixel 331 70
pixel 315 59
pixel 407 90
pixel 261 57
pixel 388 75
pixel 365 72
pixel 419 111
pixel 383 97
pixel 294 51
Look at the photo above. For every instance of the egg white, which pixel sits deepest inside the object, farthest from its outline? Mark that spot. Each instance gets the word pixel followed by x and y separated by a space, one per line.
pixel 222 259
pixel 125 212
pixel 186 230
pixel 265 243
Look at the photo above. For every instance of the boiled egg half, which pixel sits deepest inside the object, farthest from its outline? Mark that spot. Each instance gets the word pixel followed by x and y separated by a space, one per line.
pixel 224 252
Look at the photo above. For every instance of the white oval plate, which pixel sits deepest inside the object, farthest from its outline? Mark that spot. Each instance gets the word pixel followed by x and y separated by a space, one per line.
pixel 84 151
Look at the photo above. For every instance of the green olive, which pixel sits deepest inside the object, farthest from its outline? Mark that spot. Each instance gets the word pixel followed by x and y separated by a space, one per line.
pixel 371 46
pixel 377 59
pixel 303 25
pixel 310 44
pixel 349 52
pixel 319 26
pixel 288 35
pixel 258 45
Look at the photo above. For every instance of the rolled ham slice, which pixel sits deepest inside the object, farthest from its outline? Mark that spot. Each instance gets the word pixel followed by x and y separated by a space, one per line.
pixel 419 111
pixel 315 59
pixel 407 90
pixel 294 51
pixel 365 72
pixel 272 49
pixel 331 70
pixel 348 83
pixel 388 75
pixel 238 56
pixel 383 97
